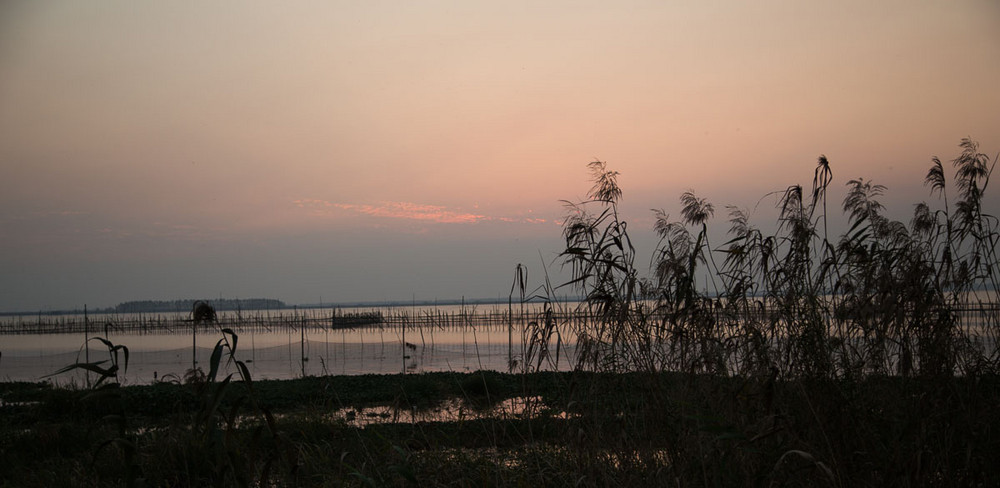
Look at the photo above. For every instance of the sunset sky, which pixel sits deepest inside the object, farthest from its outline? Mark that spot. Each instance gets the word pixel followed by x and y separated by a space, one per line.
pixel 383 150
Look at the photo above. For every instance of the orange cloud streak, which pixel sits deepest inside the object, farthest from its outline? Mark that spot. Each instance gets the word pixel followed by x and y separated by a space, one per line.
pixel 407 211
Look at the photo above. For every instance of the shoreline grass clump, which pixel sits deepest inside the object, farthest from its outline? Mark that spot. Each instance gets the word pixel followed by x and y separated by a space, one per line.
pixel 883 298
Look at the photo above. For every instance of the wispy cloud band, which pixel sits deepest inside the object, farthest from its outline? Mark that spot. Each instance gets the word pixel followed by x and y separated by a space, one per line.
pixel 407 211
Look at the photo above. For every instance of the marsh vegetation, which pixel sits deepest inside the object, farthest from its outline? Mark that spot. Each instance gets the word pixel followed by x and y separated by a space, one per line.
pixel 793 358
pixel 883 298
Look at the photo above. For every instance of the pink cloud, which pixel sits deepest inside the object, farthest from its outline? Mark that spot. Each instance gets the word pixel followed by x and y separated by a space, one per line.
pixel 414 211
pixel 408 211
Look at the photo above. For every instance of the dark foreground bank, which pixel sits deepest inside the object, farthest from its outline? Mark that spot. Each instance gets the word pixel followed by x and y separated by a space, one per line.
pixel 492 429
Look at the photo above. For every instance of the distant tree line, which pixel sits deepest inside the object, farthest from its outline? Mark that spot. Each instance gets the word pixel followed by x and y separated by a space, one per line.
pixel 150 306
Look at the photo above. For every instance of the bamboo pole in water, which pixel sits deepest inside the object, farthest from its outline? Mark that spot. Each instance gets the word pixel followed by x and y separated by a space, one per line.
pixel 510 330
pixel 302 345
pixel 404 344
pixel 86 340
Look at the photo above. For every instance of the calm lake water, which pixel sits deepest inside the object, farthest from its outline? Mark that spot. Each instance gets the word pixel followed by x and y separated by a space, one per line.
pixel 310 342
pixel 280 347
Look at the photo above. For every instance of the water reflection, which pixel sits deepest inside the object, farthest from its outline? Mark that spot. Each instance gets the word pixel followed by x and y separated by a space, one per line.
pixel 451 410
pixel 275 354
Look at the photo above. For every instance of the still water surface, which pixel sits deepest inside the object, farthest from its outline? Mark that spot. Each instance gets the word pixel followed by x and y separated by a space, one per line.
pixel 279 352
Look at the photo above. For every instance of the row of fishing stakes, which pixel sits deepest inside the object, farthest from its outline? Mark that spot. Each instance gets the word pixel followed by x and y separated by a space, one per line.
pixel 145 324
pixel 302 322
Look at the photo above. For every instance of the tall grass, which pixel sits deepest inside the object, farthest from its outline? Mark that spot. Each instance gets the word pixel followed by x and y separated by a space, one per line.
pixel 884 297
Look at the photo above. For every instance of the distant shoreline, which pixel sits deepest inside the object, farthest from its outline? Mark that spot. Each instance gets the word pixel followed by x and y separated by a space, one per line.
pixel 223 308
